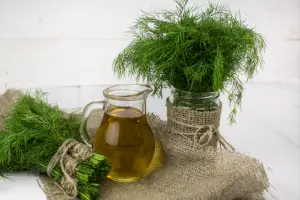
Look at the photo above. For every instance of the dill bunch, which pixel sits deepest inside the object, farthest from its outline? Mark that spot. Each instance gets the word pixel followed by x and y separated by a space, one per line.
pixel 34 131
pixel 193 50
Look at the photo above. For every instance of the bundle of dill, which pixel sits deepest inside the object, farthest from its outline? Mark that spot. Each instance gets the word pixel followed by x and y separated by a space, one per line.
pixel 34 131
pixel 193 50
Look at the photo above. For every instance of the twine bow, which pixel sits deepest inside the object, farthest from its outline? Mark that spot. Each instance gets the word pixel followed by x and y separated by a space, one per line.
pixel 70 153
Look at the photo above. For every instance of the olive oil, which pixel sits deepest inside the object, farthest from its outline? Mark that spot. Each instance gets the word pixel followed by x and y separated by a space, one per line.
pixel 126 139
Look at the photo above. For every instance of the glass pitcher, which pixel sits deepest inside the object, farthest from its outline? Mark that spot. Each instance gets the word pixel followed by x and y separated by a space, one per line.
pixel 124 135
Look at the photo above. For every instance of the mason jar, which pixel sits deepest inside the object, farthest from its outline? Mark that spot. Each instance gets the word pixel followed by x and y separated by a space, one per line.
pixel 194 117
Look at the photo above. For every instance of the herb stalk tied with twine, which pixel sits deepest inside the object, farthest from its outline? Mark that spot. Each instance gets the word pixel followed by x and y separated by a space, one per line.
pixel 42 138
pixel 193 50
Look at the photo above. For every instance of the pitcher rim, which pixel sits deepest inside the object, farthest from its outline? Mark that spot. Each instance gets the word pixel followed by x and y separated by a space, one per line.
pixel 141 93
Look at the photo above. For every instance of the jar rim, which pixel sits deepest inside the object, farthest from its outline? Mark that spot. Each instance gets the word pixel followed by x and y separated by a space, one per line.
pixel 195 95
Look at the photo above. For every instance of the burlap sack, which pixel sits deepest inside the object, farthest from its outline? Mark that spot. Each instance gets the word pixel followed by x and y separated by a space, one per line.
pixel 197 173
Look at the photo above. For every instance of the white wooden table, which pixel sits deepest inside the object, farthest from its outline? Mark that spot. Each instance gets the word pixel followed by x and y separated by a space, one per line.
pixel 268 128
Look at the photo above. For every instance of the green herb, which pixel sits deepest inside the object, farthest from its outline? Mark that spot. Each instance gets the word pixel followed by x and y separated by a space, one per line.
pixel 34 131
pixel 193 50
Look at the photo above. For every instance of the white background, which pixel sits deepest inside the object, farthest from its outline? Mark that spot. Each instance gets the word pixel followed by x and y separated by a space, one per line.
pixel 67 47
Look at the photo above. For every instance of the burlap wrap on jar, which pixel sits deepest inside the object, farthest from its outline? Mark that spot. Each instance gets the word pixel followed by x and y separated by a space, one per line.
pixel 196 128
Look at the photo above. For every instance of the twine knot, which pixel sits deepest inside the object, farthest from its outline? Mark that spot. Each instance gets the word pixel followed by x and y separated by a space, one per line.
pixel 70 153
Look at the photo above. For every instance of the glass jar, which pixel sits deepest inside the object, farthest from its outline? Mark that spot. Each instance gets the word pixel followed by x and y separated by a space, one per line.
pixel 194 118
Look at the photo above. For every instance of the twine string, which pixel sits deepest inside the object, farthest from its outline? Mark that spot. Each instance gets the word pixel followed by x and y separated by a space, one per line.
pixel 68 165
pixel 203 134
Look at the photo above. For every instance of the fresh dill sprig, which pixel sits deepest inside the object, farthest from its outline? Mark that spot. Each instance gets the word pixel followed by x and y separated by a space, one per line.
pixel 34 131
pixel 193 50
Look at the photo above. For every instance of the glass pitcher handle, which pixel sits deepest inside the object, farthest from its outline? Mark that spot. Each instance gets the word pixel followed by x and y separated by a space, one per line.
pixel 85 113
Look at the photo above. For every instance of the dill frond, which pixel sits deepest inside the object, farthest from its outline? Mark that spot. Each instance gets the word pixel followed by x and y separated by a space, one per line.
pixel 193 50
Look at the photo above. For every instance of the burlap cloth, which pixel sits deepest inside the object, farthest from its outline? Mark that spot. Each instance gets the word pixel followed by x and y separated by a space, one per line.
pixel 189 173
pixel 6 100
